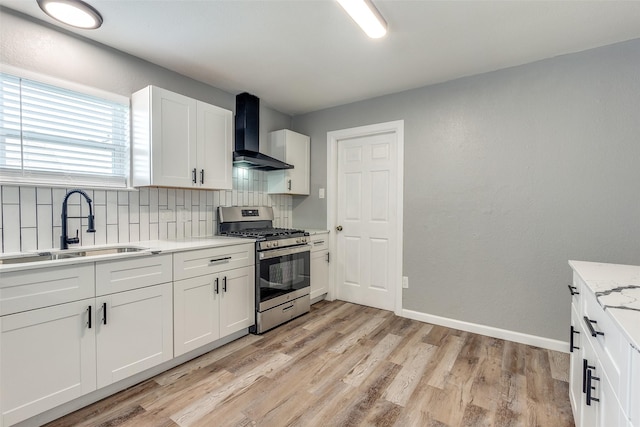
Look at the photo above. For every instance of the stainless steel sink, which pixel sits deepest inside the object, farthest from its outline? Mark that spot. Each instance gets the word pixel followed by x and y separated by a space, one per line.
pixel 107 251
pixel 49 256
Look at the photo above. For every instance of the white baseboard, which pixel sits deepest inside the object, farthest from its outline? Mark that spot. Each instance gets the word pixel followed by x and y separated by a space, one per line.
pixel 489 331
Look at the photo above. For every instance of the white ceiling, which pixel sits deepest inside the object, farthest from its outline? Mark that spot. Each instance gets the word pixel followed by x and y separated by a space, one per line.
pixel 301 55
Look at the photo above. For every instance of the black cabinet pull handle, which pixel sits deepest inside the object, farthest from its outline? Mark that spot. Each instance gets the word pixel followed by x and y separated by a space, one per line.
pixel 592 331
pixel 217 288
pixel 89 317
pixel 201 176
pixel 193 175
pixel 224 283
pixel 104 313
pixel 571 346
pixel 573 290
pixel 214 261
pixel 328 257
pixel 289 185
pixel 590 388
pixel 585 367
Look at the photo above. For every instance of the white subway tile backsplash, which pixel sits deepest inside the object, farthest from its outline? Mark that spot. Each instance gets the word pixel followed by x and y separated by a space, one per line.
pixel 30 217
pixel 11 227
pixel 10 195
pixel 45 225
pixel 43 196
pixel 29 237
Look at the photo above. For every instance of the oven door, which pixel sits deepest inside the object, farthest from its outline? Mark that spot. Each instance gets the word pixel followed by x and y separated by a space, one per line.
pixel 282 275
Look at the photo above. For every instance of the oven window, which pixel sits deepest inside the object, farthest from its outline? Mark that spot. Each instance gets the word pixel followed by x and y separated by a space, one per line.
pixel 281 275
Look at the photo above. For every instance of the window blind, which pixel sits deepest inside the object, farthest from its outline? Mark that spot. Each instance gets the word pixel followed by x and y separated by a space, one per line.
pixel 51 135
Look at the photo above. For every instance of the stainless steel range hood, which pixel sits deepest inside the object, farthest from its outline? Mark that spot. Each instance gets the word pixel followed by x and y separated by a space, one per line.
pixel 247 154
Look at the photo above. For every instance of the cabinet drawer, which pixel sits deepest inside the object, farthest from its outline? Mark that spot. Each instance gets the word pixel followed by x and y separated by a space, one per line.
pixel 206 261
pixel 43 287
pixel 126 274
pixel 609 344
pixel 319 242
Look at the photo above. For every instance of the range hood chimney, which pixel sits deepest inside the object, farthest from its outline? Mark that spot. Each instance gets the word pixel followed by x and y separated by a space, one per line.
pixel 247 153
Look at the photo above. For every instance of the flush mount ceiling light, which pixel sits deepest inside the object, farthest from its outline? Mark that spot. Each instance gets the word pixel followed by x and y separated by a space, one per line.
pixel 72 12
pixel 366 16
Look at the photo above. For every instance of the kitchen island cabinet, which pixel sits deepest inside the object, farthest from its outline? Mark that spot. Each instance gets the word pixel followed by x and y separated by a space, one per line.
pixel 604 338
pixel 180 142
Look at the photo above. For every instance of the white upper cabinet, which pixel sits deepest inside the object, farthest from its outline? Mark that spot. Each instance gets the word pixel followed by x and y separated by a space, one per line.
pixel 180 142
pixel 293 148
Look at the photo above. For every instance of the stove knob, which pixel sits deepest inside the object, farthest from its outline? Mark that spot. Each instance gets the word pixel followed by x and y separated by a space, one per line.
pixel 268 245
pixel 275 244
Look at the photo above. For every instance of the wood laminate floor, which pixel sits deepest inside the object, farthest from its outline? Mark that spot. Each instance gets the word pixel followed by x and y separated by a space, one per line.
pixel 347 365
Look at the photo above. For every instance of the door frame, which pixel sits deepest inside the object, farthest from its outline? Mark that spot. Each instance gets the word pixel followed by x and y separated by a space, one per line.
pixel 333 137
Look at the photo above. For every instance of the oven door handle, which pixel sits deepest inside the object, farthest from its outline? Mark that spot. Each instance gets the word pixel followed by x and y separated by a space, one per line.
pixel 273 253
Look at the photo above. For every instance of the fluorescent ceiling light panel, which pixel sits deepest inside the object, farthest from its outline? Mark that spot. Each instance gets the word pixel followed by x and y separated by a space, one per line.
pixel 72 12
pixel 366 16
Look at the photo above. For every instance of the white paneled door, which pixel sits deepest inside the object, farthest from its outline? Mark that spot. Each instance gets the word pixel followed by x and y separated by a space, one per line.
pixel 367 220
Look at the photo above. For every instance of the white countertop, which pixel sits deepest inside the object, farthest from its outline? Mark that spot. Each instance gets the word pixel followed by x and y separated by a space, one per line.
pixel 150 247
pixel 617 289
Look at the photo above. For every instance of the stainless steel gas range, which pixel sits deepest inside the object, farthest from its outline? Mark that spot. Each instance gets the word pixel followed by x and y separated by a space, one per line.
pixel 282 263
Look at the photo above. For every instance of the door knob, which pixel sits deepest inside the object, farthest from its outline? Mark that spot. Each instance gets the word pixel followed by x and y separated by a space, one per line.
pixel 339 228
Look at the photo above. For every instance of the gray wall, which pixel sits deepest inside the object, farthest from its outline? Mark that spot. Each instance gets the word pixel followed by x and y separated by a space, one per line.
pixel 39 47
pixel 507 176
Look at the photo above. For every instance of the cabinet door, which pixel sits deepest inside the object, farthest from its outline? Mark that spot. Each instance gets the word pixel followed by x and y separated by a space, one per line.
pixel 319 273
pixel 47 358
pixel 634 393
pixel 237 305
pixel 576 365
pixel 134 332
pixel 298 155
pixel 196 314
pixel 215 152
pixel 173 139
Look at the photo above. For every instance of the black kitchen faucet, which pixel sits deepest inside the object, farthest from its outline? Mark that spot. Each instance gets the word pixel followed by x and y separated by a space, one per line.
pixel 64 240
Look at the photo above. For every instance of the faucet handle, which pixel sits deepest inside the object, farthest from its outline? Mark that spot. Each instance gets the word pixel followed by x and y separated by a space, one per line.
pixel 73 240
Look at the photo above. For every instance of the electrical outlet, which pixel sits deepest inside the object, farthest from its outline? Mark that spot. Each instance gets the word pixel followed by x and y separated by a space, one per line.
pixel 405 282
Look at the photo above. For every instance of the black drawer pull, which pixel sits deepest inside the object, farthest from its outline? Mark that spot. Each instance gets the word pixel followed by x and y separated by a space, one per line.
pixel 193 176
pixel 571 346
pixel 104 313
pixel 573 290
pixel 216 287
pixel 217 260
pixel 89 317
pixel 201 176
pixel 590 388
pixel 590 323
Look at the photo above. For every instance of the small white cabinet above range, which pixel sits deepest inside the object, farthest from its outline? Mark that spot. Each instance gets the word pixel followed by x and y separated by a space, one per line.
pixel 293 148
pixel 180 142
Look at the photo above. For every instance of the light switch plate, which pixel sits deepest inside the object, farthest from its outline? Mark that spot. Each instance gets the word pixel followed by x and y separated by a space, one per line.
pixel 405 282
pixel 321 193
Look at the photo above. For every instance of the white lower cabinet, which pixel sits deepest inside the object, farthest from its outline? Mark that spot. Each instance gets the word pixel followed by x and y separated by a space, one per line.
pixel 134 332
pixel 603 373
pixel 47 358
pixel 109 320
pixel 319 269
pixel 212 306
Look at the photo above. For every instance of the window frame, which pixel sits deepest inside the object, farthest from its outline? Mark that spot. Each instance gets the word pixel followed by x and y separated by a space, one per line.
pixel 28 177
